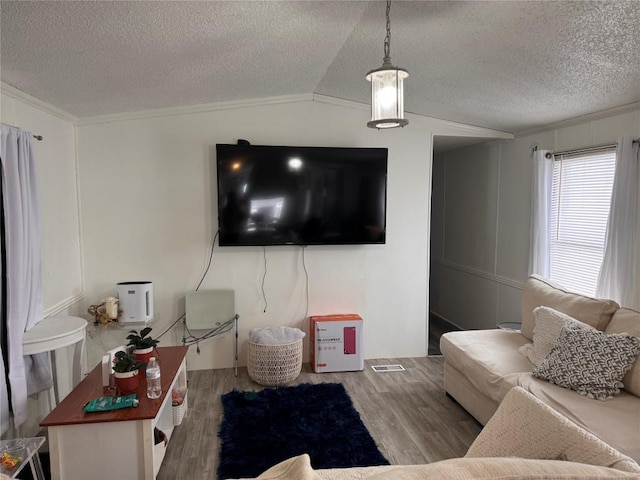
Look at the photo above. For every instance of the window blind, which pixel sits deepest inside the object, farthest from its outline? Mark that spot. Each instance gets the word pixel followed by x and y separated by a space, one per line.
pixel 580 201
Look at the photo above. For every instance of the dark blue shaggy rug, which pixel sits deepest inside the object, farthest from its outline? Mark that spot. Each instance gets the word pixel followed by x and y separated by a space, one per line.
pixel 261 429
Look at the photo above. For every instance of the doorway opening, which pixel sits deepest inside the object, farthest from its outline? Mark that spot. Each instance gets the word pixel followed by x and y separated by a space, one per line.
pixel 438 321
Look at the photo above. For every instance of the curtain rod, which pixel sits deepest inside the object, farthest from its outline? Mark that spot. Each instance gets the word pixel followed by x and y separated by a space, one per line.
pixel 534 148
pixel 37 137
pixel 583 150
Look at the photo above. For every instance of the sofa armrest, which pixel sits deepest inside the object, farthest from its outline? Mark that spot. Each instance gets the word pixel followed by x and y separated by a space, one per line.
pixel 524 426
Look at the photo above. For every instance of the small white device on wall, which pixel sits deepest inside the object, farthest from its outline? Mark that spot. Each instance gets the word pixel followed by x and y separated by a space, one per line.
pixel 136 301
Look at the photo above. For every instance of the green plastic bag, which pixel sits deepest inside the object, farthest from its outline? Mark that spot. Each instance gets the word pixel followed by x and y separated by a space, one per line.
pixel 104 404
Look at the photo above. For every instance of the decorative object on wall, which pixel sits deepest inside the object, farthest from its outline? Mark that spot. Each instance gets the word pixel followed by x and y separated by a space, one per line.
pixel 387 89
pixel 111 307
pixel 105 312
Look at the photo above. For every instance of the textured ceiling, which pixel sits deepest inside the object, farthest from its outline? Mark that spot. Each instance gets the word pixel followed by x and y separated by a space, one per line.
pixel 511 66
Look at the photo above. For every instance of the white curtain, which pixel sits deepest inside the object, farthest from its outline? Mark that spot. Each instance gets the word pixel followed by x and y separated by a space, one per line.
pixel 23 302
pixel 4 393
pixel 617 275
pixel 539 259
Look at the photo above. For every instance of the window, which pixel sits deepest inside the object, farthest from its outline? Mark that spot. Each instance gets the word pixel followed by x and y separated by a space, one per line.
pixel 580 200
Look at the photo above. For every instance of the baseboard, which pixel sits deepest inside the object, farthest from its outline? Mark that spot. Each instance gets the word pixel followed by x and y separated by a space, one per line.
pixel 446 321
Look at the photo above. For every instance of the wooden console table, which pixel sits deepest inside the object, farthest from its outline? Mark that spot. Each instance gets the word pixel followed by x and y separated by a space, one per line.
pixel 119 443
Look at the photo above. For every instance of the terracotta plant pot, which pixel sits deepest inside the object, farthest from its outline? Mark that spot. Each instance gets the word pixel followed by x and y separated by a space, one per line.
pixel 144 355
pixel 127 382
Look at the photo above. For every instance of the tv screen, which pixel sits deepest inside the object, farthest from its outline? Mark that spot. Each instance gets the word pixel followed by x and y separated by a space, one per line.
pixel 274 195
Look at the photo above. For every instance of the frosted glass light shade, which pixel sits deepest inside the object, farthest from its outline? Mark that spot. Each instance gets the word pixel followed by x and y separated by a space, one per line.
pixel 387 97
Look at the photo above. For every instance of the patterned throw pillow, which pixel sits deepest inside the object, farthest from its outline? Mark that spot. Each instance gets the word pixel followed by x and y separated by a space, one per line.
pixel 549 323
pixel 589 361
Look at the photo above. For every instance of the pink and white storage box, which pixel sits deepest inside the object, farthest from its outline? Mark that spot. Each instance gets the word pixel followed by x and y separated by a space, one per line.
pixel 336 343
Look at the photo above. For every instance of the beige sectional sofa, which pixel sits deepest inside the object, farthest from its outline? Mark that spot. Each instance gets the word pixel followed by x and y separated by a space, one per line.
pixel 525 439
pixel 482 366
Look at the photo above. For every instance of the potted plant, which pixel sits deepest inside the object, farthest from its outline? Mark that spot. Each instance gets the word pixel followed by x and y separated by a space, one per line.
pixel 126 366
pixel 142 344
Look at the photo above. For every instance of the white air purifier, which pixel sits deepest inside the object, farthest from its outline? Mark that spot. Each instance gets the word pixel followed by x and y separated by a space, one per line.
pixel 136 302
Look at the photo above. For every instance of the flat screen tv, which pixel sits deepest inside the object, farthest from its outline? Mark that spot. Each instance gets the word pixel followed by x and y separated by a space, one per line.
pixel 276 195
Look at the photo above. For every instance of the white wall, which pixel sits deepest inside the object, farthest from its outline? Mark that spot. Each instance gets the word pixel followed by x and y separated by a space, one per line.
pixel 56 173
pixel 482 211
pixel 148 196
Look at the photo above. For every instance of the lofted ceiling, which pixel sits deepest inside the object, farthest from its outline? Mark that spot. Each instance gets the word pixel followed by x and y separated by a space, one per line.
pixel 506 65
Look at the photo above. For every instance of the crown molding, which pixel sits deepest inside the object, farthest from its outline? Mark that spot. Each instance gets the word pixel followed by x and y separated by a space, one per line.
pixel 590 117
pixel 461 129
pixel 200 108
pixel 464 130
pixel 13 92
pixel 341 102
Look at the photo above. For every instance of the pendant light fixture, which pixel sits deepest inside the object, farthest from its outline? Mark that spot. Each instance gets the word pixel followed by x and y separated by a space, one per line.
pixel 387 89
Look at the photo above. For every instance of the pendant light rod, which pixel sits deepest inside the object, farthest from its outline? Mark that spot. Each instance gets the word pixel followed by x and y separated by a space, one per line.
pixel 387 39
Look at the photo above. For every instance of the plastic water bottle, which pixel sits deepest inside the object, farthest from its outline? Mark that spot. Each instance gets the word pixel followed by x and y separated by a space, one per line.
pixel 154 389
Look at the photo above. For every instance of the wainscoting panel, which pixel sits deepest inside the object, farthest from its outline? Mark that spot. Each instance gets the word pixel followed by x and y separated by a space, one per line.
pixel 509 303
pixel 465 300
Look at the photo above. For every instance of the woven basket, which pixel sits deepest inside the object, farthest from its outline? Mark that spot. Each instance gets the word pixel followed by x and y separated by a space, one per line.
pixel 179 411
pixel 273 365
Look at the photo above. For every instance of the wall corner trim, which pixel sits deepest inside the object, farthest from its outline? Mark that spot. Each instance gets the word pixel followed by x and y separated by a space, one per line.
pixel 13 92
pixel 63 305
pixel 581 119
pixel 190 109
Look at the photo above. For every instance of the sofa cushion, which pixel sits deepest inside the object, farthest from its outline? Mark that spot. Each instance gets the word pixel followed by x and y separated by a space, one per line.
pixel 616 422
pixel 549 324
pixel 299 468
pixel 539 291
pixel 502 468
pixel 481 469
pixel 626 320
pixel 526 427
pixel 488 358
pixel 590 362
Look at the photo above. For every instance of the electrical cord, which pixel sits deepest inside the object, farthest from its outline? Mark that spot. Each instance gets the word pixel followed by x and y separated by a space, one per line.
pixel 185 330
pixel 306 275
pixel 170 326
pixel 221 329
pixel 206 271
pixel 264 296
pixel 218 330
pixel 213 244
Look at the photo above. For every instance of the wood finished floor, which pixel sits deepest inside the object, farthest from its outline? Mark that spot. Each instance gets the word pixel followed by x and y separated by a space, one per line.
pixel 407 413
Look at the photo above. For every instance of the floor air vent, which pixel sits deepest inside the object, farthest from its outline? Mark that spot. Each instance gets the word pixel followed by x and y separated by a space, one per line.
pixel 387 368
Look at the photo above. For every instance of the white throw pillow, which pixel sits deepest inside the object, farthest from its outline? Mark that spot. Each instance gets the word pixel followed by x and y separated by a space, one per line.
pixel 549 323
pixel 275 335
